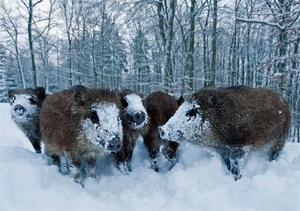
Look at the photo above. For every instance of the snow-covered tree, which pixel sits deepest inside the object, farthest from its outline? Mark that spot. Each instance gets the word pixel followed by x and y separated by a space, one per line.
pixel 141 66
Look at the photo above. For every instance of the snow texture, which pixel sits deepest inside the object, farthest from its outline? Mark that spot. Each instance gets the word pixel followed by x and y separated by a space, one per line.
pixel 28 110
pixel 108 128
pixel 135 105
pixel 186 127
pixel 199 181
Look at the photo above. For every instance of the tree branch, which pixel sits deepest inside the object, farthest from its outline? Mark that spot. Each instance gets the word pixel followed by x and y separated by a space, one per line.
pixel 37 3
pixel 295 19
pixel 261 22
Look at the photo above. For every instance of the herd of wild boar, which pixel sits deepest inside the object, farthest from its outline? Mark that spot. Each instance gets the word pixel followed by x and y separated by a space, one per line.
pixel 80 125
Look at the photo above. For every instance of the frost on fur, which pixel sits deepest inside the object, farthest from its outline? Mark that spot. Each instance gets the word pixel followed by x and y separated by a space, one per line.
pixel 107 129
pixel 136 110
pixel 22 110
pixel 25 108
pixel 185 124
pixel 231 121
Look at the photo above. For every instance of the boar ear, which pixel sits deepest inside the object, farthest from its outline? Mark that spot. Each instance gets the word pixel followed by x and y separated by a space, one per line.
pixel 140 94
pixel 206 98
pixel 11 93
pixel 40 93
pixel 80 93
pixel 180 100
pixel 124 101
pixel 210 98
pixel 122 96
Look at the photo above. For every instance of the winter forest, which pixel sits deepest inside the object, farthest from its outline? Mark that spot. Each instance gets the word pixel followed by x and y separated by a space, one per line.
pixel 178 46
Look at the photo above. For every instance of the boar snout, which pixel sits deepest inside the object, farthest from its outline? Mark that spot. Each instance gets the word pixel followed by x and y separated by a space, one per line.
pixel 19 109
pixel 139 117
pixel 114 145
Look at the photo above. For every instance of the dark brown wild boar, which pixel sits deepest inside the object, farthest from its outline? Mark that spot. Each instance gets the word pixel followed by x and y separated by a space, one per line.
pixel 160 107
pixel 232 121
pixel 83 124
pixel 25 108
pixel 134 121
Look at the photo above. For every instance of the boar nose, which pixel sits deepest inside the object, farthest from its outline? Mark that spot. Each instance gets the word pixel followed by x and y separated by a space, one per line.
pixel 161 132
pixel 19 109
pixel 139 117
pixel 114 145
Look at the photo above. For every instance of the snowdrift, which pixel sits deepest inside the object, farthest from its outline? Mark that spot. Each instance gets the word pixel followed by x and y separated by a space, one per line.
pixel 199 181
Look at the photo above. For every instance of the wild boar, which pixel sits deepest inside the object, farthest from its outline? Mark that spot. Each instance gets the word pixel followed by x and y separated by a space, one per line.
pixel 160 107
pixel 25 108
pixel 134 121
pixel 232 121
pixel 83 124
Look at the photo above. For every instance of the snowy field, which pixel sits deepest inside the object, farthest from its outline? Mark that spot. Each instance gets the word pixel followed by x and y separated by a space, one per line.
pixel 199 181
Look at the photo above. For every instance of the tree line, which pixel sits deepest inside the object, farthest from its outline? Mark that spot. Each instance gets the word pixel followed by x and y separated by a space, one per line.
pixel 178 46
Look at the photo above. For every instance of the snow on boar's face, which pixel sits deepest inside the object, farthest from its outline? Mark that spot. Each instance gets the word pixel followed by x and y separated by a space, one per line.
pixel 136 113
pixel 100 121
pixel 187 123
pixel 25 103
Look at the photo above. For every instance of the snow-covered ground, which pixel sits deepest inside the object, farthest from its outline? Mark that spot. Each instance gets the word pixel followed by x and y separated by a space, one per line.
pixel 199 181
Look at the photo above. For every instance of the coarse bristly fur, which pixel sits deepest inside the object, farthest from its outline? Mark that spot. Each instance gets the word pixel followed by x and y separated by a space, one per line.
pixel 25 108
pixel 160 107
pixel 232 121
pixel 83 124
pixel 134 120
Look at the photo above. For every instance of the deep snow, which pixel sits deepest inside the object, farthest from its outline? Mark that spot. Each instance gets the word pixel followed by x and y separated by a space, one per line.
pixel 199 181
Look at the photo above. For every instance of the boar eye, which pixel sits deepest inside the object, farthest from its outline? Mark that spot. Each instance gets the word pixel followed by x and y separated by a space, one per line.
pixel 12 99
pixel 94 117
pixel 124 102
pixel 32 100
pixel 192 113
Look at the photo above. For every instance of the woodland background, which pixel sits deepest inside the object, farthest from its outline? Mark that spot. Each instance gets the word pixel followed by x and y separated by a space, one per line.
pixel 178 46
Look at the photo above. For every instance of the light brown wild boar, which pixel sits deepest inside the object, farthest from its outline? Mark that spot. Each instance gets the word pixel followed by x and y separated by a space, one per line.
pixel 83 124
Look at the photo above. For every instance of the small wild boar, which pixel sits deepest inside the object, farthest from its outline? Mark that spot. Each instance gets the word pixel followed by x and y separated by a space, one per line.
pixel 83 124
pixel 134 121
pixel 160 107
pixel 232 121
pixel 25 108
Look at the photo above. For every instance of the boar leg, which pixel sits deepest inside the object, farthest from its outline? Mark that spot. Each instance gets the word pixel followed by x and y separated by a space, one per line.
pixel 170 153
pixel 124 156
pixel 234 159
pixel 35 141
pixel 36 145
pixel 276 148
pixel 151 143
pixel 87 169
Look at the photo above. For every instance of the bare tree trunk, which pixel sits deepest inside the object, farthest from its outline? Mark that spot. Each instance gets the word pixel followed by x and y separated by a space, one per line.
pixel 166 14
pixel 214 44
pixel 30 40
pixel 169 78
pixel 93 53
pixel 206 65
pixel 205 60
pixel 58 63
pixel 190 57
pixel 283 40
pixel 68 18
pixel 294 91
pixel 20 67
pixel 161 21
pixel 249 72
